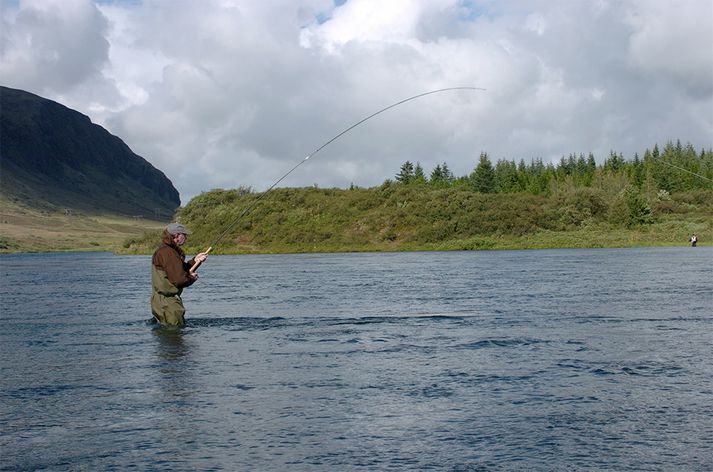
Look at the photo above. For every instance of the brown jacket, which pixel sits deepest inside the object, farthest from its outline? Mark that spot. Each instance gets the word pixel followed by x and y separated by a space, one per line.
pixel 170 261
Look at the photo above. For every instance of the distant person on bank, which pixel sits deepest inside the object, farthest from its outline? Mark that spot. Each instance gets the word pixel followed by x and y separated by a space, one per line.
pixel 694 240
pixel 170 274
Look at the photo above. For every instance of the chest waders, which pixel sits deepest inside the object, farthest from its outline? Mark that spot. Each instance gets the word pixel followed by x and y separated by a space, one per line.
pixel 166 304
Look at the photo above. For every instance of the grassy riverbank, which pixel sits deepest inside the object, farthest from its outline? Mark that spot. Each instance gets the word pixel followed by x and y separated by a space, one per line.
pixel 392 217
pixel 395 217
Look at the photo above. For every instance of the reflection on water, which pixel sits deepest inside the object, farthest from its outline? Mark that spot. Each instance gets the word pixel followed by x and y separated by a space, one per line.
pixel 170 344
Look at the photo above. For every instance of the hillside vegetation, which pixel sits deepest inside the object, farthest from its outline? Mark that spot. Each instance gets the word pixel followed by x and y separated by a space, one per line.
pixel 660 200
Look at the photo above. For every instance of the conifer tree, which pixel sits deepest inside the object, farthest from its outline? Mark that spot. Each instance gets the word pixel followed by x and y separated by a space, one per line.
pixel 649 177
pixel 436 175
pixel 638 206
pixel 406 175
pixel 615 163
pixel 447 174
pixel 522 175
pixel 418 176
pixel 442 176
pixel 637 174
pixel 483 177
pixel 506 178
pixel 581 166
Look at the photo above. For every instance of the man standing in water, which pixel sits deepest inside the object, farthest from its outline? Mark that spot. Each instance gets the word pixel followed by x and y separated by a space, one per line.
pixel 170 274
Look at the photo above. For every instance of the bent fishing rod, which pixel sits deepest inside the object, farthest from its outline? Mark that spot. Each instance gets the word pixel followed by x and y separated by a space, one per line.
pixel 330 141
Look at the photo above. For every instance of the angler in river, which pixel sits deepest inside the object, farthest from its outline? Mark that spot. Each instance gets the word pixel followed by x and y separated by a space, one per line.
pixel 170 274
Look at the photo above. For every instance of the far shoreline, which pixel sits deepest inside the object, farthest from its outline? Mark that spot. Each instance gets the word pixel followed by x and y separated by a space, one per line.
pixel 448 246
pixel 344 251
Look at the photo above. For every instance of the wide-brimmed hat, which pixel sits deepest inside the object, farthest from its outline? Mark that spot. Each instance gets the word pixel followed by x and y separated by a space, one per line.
pixel 177 228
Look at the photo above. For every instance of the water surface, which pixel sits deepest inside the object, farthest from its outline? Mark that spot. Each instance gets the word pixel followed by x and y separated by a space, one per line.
pixel 502 360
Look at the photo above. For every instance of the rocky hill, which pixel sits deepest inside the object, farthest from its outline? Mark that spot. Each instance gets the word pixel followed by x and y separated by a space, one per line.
pixel 55 158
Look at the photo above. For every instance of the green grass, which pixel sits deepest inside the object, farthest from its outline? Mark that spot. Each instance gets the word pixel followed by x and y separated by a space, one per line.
pixel 24 229
pixel 396 217
pixel 391 217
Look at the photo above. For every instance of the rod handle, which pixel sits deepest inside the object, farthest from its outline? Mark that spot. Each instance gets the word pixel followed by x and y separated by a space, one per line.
pixel 195 266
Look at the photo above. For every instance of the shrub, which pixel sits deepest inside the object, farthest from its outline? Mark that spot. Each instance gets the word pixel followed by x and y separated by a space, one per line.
pixel 581 204
pixel 631 208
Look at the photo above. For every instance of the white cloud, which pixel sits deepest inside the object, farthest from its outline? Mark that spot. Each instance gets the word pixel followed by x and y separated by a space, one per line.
pixel 225 93
pixel 536 23
pixel 674 41
pixel 53 45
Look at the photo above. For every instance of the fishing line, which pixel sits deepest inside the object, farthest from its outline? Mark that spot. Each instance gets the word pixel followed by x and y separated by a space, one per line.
pixel 686 170
pixel 262 195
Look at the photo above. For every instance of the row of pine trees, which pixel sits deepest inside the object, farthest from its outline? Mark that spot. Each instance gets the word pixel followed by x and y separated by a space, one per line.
pixel 676 168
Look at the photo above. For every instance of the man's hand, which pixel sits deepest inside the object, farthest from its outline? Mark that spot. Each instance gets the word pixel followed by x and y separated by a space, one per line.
pixel 198 260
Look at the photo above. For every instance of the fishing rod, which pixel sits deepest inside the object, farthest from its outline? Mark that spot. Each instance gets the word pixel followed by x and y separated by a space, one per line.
pixel 262 195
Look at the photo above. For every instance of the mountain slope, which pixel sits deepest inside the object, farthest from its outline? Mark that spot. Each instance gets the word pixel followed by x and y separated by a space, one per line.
pixel 52 157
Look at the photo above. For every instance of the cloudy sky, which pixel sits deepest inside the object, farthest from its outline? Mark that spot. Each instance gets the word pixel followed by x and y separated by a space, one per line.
pixel 224 93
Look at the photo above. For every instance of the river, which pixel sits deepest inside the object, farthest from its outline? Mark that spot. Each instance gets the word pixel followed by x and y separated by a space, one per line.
pixel 596 359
